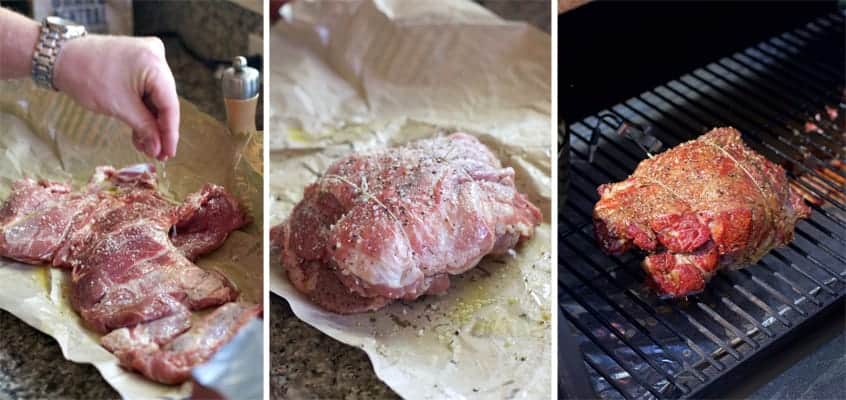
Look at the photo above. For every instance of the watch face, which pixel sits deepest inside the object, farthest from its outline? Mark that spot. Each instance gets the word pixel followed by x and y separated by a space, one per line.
pixel 61 22
pixel 65 26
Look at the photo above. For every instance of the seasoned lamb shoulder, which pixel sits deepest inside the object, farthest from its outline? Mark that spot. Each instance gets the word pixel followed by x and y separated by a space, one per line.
pixel 161 351
pixel 130 253
pixel 395 223
pixel 126 266
pixel 707 204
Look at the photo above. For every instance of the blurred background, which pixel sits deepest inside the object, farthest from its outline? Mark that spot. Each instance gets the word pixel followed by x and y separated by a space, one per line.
pixel 609 51
pixel 200 41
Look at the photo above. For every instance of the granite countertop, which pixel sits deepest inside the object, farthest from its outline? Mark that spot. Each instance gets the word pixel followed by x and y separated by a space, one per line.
pixel 32 367
pixel 535 12
pixel 196 81
pixel 199 42
pixel 304 362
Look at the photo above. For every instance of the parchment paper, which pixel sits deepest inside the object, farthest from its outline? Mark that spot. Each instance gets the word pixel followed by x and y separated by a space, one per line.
pixel 44 134
pixel 349 76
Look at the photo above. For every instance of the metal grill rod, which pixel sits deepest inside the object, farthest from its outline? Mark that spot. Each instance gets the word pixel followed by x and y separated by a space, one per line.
pixel 610 353
pixel 792 283
pixel 622 149
pixel 621 337
pixel 780 66
pixel 762 106
pixel 703 127
pixel 613 382
pixel 757 140
pixel 760 283
pixel 819 70
pixel 757 300
pixel 793 266
pixel 634 297
pixel 740 311
pixel 634 322
pixel 750 133
pixel 836 25
pixel 791 69
pixel 806 39
pixel 784 81
pixel 734 341
pixel 812 33
pixel 786 64
pixel 786 77
pixel 679 123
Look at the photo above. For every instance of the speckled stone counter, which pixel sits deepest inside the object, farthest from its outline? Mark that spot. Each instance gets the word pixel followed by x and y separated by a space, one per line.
pixel 32 367
pixel 535 12
pixel 195 81
pixel 31 363
pixel 305 363
pixel 200 40
pixel 199 82
pixel 308 364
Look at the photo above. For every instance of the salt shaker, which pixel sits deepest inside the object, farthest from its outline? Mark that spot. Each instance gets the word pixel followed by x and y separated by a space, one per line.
pixel 240 94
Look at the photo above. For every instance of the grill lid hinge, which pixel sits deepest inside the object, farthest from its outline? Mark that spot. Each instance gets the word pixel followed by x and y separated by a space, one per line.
pixel 638 134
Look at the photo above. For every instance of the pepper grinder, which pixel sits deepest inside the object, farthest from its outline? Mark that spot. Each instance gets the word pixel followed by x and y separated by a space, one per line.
pixel 240 94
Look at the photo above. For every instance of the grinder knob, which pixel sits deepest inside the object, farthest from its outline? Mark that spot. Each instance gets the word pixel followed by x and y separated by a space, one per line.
pixel 240 84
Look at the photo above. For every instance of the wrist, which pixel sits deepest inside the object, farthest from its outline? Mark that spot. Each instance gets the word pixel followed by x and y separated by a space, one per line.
pixel 18 37
pixel 67 61
pixel 55 33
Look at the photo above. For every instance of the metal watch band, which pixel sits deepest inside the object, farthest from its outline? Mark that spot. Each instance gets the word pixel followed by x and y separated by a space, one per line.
pixel 47 49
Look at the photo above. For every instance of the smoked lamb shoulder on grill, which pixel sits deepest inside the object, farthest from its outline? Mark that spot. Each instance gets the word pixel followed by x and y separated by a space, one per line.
pixel 394 223
pixel 706 204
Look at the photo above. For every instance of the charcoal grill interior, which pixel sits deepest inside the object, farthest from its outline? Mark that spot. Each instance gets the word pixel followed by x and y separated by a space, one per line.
pixel 635 345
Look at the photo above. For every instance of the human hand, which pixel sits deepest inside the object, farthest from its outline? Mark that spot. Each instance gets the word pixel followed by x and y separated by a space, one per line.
pixel 127 78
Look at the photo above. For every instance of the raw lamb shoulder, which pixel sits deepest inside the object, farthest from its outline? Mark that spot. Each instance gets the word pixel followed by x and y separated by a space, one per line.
pixel 395 223
pixel 130 253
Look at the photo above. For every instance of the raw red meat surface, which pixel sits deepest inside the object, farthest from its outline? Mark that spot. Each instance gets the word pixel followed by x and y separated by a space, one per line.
pixel 129 251
pixel 166 350
pixel 396 223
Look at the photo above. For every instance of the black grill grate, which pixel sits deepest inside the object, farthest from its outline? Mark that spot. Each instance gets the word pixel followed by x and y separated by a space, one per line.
pixel 637 346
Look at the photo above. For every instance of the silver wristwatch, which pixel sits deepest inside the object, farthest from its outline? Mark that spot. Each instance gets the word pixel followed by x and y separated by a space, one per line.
pixel 54 32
